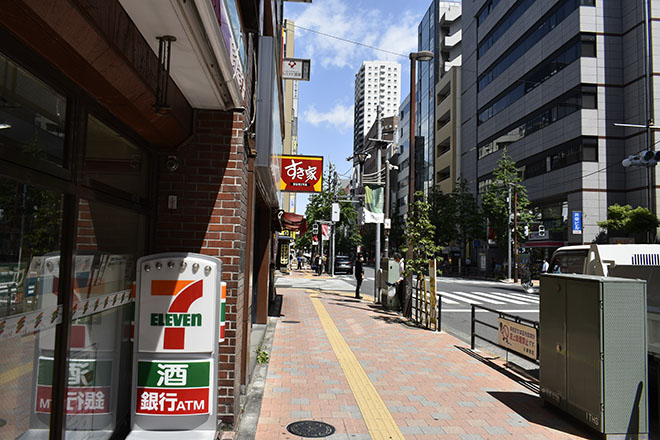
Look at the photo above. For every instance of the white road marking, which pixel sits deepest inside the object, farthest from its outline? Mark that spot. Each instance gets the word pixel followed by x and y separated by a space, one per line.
pixel 501 296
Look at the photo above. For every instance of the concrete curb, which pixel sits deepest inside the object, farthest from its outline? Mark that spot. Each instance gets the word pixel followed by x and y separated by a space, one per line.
pixel 247 428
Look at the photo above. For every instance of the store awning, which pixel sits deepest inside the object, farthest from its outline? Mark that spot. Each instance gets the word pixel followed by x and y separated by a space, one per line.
pixel 294 222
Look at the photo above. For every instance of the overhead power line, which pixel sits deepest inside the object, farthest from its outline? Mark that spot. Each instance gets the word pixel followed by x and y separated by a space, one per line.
pixel 350 41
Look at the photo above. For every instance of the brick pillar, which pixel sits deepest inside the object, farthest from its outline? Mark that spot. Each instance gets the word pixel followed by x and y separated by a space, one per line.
pixel 211 189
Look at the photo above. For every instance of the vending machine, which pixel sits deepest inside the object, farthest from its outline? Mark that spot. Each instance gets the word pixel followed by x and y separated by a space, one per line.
pixel 179 324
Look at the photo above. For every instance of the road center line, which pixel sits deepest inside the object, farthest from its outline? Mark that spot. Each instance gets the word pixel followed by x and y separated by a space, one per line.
pixel 379 420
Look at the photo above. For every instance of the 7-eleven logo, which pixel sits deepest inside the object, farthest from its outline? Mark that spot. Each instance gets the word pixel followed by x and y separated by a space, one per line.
pixel 177 318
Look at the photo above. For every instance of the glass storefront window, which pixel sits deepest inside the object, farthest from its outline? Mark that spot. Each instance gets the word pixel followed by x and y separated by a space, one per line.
pixel 32 116
pixel 109 239
pixel 112 162
pixel 30 231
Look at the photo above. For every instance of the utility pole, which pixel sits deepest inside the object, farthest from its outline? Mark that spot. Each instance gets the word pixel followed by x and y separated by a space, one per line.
pixel 377 275
pixel 332 263
pixel 508 228
pixel 515 230
pixel 386 251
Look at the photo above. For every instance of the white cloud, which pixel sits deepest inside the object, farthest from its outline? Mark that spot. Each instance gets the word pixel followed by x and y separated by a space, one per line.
pixel 339 116
pixel 348 20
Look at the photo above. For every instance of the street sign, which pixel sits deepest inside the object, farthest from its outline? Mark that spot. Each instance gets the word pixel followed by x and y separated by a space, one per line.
pixel 295 68
pixel 577 222
pixel 335 212
pixel 301 173
pixel 517 337
pixel 388 223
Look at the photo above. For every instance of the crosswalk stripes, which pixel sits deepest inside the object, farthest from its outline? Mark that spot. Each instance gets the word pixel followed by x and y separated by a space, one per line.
pixel 506 297
pixel 460 298
pixel 495 298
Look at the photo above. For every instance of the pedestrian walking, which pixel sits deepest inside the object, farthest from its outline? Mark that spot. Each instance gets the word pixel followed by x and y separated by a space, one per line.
pixel 319 265
pixel 545 266
pixel 401 282
pixel 359 275
pixel 299 262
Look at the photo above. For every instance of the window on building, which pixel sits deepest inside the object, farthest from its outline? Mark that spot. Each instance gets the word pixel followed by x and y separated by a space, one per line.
pixel 443 175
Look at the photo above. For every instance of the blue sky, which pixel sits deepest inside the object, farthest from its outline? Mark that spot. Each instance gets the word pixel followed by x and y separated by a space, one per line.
pixel 325 109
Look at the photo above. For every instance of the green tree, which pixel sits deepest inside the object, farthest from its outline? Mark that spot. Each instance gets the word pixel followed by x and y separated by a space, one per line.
pixel 420 236
pixel 495 205
pixel 625 219
pixel 319 207
pixel 443 216
pixel 420 233
pixel 456 216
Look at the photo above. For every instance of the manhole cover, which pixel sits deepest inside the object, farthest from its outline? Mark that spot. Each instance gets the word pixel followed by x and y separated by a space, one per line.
pixel 310 429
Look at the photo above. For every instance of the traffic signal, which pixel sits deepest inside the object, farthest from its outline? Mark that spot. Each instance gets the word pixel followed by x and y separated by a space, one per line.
pixel 645 159
pixel 315 228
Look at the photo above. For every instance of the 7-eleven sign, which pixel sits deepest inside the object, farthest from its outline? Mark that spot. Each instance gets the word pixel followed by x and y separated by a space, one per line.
pixel 177 315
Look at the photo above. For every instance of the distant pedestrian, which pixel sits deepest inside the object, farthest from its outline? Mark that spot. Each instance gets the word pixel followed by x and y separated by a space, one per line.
pixel 401 283
pixel 299 262
pixel 545 266
pixel 359 275
pixel 319 264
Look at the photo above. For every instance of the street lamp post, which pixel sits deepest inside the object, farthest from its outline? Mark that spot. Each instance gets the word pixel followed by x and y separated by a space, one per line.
pixel 424 55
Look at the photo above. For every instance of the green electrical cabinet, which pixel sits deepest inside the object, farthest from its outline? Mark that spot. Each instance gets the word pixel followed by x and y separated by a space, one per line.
pixel 593 351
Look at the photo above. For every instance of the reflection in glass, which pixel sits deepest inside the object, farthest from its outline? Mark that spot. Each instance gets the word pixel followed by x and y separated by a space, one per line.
pixel 32 115
pixel 30 225
pixel 113 162
pixel 108 241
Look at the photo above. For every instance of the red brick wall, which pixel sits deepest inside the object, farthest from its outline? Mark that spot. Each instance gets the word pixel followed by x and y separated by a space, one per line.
pixel 211 188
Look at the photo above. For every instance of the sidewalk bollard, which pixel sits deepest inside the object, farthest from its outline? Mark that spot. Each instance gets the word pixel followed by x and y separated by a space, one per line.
pixel 472 329
pixel 438 318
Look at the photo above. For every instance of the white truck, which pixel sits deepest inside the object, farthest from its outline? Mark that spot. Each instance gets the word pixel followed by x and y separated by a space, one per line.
pixel 639 261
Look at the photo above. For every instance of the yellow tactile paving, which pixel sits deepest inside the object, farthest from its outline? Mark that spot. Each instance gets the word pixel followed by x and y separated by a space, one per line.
pixel 15 373
pixel 379 421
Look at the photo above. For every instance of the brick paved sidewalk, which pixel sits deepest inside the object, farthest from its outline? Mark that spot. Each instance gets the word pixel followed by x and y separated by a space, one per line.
pixel 430 383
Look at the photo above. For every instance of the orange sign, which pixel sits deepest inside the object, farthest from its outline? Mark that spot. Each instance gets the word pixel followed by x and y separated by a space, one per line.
pixel 301 173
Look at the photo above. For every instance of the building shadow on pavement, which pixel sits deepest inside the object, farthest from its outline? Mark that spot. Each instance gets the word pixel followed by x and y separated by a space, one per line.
pixel 535 411
pixel 530 406
pixel 275 307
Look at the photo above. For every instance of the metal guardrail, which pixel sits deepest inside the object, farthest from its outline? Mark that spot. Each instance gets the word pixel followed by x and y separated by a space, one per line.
pixel 508 316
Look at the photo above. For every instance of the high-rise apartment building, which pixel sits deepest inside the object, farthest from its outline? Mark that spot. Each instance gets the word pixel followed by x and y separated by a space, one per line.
pixel 548 81
pixel 377 83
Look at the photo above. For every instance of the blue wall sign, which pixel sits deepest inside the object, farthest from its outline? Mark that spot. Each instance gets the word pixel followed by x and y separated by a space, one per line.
pixel 577 222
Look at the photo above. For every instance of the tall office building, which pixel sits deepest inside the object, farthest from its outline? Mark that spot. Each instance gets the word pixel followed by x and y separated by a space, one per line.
pixel 376 83
pixel 438 32
pixel 447 134
pixel 402 158
pixel 290 143
pixel 548 81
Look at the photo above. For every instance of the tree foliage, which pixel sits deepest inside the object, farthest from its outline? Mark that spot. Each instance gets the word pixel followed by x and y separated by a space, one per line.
pixel 629 220
pixel 319 207
pixel 456 216
pixel 420 234
pixel 495 204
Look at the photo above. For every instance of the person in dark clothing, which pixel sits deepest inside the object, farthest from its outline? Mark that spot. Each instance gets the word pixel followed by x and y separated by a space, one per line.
pixel 401 285
pixel 359 275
